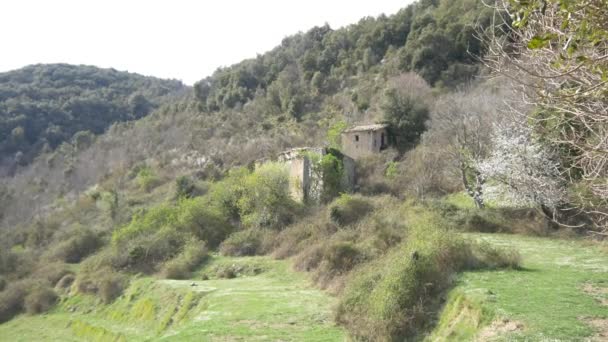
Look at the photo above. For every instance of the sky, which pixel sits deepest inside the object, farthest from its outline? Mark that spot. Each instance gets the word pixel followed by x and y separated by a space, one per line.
pixel 179 39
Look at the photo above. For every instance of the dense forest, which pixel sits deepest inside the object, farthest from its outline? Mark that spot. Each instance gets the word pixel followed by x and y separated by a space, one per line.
pixel 42 106
pixel 435 39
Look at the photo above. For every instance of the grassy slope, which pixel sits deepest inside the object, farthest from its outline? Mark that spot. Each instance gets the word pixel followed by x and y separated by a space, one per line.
pixel 546 296
pixel 275 304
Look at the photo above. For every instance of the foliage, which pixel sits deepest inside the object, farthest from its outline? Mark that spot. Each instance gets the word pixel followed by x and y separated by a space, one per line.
pixel 42 106
pixel 79 244
pixel 348 209
pixel 194 252
pixel 556 54
pixel 247 242
pixel 147 179
pixel 265 200
pixel 528 168
pixel 406 110
pixel 390 298
pixel 460 132
pixel 40 300
pixel 433 38
pixel 334 132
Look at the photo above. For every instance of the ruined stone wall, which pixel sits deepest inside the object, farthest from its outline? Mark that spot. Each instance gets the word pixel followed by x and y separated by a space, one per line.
pixel 306 185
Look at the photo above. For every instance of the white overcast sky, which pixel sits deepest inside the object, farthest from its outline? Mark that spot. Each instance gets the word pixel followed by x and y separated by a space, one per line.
pixel 181 39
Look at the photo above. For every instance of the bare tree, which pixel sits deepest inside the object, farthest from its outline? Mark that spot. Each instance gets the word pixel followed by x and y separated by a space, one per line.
pixel 460 130
pixel 557 53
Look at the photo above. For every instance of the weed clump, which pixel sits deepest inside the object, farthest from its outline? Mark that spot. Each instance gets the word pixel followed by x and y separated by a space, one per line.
pixel 40 299
pixel 348 209
pixel 11 301
pixel 248 242
pixel 180 267
pixel 111 287
pixel 105 283
pixel 81 244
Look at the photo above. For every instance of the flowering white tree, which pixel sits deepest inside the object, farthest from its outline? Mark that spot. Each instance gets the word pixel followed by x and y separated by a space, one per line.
pixel 460 132
pixel 526 167
pixel 556 52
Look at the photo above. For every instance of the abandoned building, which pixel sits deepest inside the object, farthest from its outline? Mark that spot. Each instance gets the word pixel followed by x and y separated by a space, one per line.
pixel 361 141
pixel 306 185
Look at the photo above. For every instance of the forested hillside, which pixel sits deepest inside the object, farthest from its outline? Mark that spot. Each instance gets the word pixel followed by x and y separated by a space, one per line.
pixel 42 106
pixel 141 231
pixel 436 39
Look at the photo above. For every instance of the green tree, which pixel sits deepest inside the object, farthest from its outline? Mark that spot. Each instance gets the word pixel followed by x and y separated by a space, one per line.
pixel 406 117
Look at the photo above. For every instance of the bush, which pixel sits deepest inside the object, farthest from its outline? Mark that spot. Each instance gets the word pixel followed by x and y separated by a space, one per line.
pixel 2 283
pixel 349 209
pixel 147 179
pixel 248 242
pixel 12 298
pixel 81 244
pixel 51 273
pixel 204 220
pixel 394 297
pixel 111 286
pixel 265 201
pixel 180 267
pixel 11 302
pixel 342 257
pixel 105 283
pixel 39 300
pixel 492 257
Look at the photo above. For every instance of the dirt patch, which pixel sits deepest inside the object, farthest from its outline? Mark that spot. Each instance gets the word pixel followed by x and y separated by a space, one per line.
pixel 599 293
pixel 601 326
pixel 499 328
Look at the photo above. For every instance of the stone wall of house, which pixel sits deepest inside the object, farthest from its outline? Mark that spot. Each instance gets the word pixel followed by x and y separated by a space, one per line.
pixel 305 184
pixel 359 144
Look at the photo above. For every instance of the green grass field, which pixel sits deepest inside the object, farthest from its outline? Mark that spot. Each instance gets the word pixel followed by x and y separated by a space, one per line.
pixel 276 304
pixel 549 299
pixel 561 286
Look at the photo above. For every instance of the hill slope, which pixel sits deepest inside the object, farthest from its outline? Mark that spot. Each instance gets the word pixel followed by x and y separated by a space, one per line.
pixel 42 106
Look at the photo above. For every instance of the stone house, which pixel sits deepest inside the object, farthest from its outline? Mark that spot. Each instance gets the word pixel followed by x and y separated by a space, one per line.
pixel 361 141
pixel 305 183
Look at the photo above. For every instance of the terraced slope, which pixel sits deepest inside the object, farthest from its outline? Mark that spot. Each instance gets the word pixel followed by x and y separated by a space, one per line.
pixel 560 294
pixel 274 304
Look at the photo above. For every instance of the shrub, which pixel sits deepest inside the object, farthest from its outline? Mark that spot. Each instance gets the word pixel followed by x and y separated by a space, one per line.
pixel 51 273
pixel 342 257
pixel 226 272
pixel 11 302
pixel 492 257
pixel 2 283
pixel 111 286
pixel 394 297
pixel 265 201
pixel 105 283
pixel 40 300
pixel 247 242
pixel 310 258
pixel 349 209
pixel 12 298
pixel 204 220
pixel 180 267
pixel 81 244
pixel 147 179
pixel 186 187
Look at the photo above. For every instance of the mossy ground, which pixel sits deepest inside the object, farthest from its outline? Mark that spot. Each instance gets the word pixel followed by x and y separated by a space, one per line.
pixel 276 304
